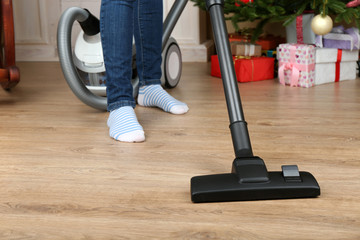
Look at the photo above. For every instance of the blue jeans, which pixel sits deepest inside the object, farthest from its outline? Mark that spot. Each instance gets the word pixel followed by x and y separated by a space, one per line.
pixel 120 20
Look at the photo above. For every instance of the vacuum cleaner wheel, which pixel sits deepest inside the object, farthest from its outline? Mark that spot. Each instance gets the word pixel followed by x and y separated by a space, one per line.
pixel 172 65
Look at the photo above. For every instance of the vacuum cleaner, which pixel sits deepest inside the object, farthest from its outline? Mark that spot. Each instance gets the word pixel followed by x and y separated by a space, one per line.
pixel 249 178
pixel 83 67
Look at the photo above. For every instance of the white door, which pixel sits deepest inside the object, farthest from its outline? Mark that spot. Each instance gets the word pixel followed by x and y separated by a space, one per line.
pixel 35 29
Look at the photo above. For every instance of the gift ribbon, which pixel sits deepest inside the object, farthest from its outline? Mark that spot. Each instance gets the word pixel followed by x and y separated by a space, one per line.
pixel 337 65
pixel 249 50
pixel 252 70
pixel 299 29
pixel 294 67
pixel 241 57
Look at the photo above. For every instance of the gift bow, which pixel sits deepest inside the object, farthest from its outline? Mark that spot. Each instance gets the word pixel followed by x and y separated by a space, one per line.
pixel 295 74
pixel 241 57
pixel 237 57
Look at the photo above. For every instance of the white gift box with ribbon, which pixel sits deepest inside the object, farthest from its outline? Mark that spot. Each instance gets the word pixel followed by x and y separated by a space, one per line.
pixel 334 65
pixel 302 65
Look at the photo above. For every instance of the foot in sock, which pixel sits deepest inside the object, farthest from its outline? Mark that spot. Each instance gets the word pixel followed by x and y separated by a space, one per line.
pixel 156 96
pixel 124 125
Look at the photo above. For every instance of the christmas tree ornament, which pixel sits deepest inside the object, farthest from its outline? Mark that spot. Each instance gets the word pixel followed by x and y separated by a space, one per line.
pixel 321 25
pixel 244 1
pixel 354 3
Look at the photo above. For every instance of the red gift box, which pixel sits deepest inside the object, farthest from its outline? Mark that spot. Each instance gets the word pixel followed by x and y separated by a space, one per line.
pixel 247 69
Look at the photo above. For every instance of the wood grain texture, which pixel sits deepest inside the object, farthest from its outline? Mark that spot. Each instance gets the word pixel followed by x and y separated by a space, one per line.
pixel 62 177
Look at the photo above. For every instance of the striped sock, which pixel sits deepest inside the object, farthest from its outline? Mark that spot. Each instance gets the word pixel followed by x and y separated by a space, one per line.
pixel 156 96
pixel 124 125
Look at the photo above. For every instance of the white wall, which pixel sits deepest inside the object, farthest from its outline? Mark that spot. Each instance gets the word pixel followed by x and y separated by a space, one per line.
pixel 36 24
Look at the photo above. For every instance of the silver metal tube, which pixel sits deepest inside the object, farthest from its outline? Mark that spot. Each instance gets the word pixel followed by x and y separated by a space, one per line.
pixel 171 20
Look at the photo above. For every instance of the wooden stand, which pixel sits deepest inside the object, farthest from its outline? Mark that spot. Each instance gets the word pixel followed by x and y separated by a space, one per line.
pixel 9 73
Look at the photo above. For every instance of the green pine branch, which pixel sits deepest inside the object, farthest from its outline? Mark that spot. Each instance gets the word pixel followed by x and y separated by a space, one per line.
pixel 284 11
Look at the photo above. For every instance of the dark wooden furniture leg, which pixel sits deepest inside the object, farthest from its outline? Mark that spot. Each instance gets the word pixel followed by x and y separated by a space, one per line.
pixel 9 73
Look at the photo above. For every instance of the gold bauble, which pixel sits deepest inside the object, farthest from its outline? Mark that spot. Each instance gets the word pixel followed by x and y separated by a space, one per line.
pixel 321 25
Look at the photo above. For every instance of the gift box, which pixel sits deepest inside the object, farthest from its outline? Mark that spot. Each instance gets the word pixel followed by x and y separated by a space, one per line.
pixel 239 48
pixel 247 69
pixel 304 65
pixel 269 53
pixel 236 37
pixel 296 64
pixel 334 65
pixel 266 42
pixel 269 42
pixel 272 53
pixel 347 39
pixel 299 30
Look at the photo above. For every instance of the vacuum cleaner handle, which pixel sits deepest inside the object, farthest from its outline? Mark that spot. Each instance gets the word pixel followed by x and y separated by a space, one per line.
pixel 238 126
pixel 171 20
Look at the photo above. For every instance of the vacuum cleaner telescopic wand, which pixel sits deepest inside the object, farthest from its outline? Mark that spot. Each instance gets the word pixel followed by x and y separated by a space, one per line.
pixel 238 126
pixel 249 178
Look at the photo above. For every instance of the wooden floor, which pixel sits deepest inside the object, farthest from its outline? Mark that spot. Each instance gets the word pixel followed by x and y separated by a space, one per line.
pixel 62 177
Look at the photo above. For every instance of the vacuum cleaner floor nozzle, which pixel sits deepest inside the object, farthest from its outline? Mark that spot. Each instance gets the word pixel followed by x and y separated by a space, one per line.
pixel 226 187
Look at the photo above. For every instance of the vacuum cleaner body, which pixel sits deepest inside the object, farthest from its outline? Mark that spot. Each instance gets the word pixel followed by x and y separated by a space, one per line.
pixel 84 67
pixel 88 53
pixel 89 60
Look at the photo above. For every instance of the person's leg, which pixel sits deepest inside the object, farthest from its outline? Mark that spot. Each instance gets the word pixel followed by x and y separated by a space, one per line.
pixel 148 26
pixel 116 24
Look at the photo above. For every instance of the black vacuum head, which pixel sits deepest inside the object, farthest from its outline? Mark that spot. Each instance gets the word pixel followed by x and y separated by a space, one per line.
pixel 258 184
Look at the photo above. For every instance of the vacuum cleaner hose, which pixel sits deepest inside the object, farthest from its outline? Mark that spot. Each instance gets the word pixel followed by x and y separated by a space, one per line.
pixel 65 56
pixel 91 26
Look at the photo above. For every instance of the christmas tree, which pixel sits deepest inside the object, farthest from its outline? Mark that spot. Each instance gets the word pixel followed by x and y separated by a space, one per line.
pixel 286 11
